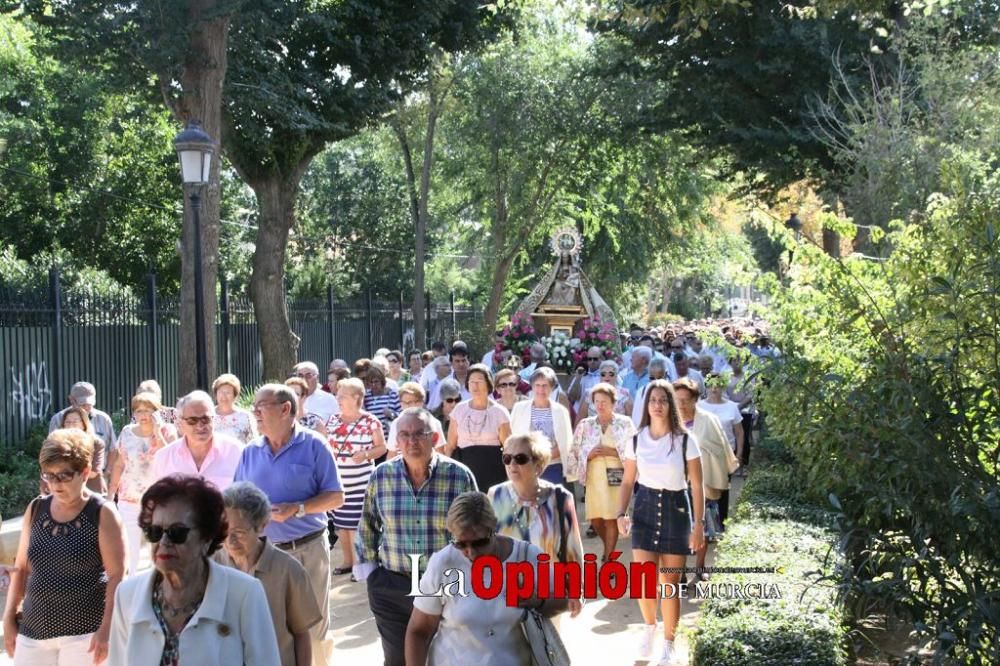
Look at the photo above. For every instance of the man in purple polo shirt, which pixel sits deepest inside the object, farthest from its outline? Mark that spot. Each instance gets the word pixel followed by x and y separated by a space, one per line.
pixel 296 470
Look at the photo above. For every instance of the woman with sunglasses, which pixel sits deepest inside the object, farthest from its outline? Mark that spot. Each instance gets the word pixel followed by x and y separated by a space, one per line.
pixel 667 526
pixel 189 609
pixel 397 372
pixel 480 427
pixel 130 465
pixel 608 375
pixel 70 560
pixel 532 509
pixel 451 394
pixel 506 394
pixel 462 629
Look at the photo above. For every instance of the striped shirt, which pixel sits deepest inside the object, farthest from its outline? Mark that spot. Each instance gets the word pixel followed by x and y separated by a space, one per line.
pixel 385 407
pixel 399 520
pixel 541 420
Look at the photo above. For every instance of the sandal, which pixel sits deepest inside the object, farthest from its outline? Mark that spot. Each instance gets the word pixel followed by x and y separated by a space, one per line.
pixel 340 571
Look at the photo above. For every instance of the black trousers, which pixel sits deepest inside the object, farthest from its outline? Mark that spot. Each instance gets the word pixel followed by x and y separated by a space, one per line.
pixel 747 438
pixel 391 607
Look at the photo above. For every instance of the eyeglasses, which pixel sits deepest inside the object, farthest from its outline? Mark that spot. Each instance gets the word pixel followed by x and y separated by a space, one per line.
pixel 593 358
pixel 197 420
pixel 394 360
pixel 452 401
pixel 475 543
pixel 507 385
pixel 517 459
pixel 259 406
pixel 412 436
pixel 177 534
pixel 61 477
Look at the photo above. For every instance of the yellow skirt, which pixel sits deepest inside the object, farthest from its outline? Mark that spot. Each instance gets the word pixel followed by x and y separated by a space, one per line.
pixel 602 499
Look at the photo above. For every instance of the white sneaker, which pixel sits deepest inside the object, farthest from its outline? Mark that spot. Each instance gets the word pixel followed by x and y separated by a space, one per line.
pixel 667 656
pixel 646 637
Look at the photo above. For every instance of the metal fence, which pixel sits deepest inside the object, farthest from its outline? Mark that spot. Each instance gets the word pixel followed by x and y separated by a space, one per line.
pixel 49 340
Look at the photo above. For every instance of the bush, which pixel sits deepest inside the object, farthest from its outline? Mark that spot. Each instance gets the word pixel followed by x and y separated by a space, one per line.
pixel 776 524
pixel 19 474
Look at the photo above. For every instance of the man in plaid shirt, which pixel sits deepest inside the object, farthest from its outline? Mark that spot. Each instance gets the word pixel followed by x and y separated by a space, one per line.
pixel 405 511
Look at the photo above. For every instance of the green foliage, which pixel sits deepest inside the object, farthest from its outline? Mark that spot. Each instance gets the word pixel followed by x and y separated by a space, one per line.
pixel 777 524
pixel 19 473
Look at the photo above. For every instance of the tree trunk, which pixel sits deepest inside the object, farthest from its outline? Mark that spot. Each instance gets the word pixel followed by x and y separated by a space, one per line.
pixel 278 345
pixel 500 272
pixel 419 335
pixel 204 72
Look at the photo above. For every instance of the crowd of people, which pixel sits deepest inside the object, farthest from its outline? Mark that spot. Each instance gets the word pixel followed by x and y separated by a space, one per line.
pixel 415 464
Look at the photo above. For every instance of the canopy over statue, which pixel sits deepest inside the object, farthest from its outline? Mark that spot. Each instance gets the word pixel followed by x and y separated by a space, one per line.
pixel 565 295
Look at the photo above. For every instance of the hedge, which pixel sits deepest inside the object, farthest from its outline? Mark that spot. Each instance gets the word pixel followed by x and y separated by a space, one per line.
pixel 776 524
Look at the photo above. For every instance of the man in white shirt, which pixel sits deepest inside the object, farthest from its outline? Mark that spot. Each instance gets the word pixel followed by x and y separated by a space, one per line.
pixel 585 378
pixel 320 403
pixel 438 349
pixel 440 370
pixel 200 451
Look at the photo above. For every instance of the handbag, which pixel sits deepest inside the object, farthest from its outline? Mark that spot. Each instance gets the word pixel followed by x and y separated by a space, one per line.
pixel 615 475
pixel 543 639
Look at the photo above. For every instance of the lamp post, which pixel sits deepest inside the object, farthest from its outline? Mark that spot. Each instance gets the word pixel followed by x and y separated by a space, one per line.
pixel 793 223
pixel 194 150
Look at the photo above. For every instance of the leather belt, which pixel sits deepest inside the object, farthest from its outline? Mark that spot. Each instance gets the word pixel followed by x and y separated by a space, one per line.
pixel 298 543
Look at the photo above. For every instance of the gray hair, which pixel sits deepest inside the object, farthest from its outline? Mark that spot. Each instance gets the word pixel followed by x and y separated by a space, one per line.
pixel 306 365
pixel 421 413
pixel 282 394
pixel 441 360
pixel 658 363
pixel 469 510
pixel 382 364
pixel 449 388
pixel 548 374
pixel 194 398
pixel 644 352
pixel 251 500
pixel 609 364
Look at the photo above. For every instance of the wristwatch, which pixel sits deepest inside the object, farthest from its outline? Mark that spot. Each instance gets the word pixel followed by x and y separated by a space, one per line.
pixel 301 513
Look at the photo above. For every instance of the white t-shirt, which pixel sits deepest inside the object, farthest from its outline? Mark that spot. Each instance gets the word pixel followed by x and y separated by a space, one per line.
pixel 728 413
pixel 659 460
pixel 485 631
pixel 390 440
pixel 322 404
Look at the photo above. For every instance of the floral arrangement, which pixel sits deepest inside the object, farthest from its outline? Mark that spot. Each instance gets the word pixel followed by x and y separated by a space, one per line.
pixel 561 350
pixel 518 336
pixel 592 332
pixel 720 380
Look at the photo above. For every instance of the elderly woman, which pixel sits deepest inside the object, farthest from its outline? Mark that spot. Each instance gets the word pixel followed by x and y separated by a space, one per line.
pixel 397 372
pixel 599 445
pixel 286 583
pixel 167 414
pixel 411 394
pixel 189 609
pixel 380 400
pixel 230 419
pixel 506 394
pixel 130 465
pixel 664 458
pixel 609 375
pixel 451 394
pixel 76 418
pixel 531 508
pixel 541 414
pixel 717 458
pixel 728 413
pixel 480 427
pixel 70 559
pixel 305 419
pixel 459 629
pixel 356 438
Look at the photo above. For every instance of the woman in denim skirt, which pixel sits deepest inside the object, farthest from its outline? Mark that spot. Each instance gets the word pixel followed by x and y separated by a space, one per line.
pixel 666 523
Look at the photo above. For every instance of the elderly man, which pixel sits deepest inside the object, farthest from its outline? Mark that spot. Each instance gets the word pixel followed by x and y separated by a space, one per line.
pixel 404 515
pixel 318 402
pixel 200 451
pixel 657 370
pixel 638 376
pixel 84 396
pixel 538 355
pixel 297 472
pixel 586 378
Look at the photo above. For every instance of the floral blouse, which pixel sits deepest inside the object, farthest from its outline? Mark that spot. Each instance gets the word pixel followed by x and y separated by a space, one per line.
pixel 588 435
pixel 240 425
pixel 536 522
pixel 137 456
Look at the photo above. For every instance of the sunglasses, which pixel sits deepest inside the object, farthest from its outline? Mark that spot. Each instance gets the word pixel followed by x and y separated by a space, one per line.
pixel 452 401
pixel 61 477
pixel 197 420
pixel 507 385
pixel 475 543
pixel 177 534
pixel 608 374
pixel 517 459
pixel 593 358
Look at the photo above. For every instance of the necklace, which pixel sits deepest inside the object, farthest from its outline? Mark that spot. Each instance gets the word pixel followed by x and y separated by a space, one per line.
pixel 474 427
pixel 174 611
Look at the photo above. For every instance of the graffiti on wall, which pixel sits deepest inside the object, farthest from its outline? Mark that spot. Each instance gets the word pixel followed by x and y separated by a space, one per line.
pixel 30 396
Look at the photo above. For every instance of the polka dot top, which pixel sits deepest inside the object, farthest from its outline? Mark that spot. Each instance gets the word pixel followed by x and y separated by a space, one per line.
pixel 65 589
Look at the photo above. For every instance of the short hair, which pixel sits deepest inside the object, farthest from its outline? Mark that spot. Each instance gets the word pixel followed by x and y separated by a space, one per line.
pixel 306 365
pixel 67 445
pixel 352 385
pixel 689 385
pixel 469 510
pixel 361 366
pixel 299 382
pixel 680 356
pixel 439 361
pixel 227 379
pixel 644 352
pixel 376 371
pixel 381 364
pixel 437 345
pixel 147 400
pixel 340 373
pixel 205 500
pixel 659 363
pixel 504 374
pixel 421 413
pixel 414 389
pixel 459 348
pixel 427 356
pixel 608 364
pixel 604 388
pixel 415 351
pixel 395 352
pixel 548 374
pixel 195 397
pixel 449 388
pixel 251 500
pixel 82 413
pixel 282 394
pixel 538 444
pixel 485 372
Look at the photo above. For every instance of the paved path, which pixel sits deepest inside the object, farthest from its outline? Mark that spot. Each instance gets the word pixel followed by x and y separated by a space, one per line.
pixel 606 632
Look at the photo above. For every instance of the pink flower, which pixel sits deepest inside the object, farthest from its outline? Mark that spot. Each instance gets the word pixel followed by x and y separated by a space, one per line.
pixel 529 330
pixel 582 335
pixel 516 334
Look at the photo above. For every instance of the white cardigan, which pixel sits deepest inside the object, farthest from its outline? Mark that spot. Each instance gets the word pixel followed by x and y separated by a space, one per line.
pixel 232 625
pixel 520 424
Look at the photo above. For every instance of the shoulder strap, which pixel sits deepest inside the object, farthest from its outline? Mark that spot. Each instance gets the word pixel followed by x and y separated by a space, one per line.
pixel 684 457
pixel 560 516
pixel 635 444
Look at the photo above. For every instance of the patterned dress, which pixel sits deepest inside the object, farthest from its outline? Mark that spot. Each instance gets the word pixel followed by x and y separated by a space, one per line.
pixel 347 439
pixel 240 425
pixel 538 522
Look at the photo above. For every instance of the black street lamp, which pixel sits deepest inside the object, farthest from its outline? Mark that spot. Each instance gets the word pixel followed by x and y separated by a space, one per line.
pixel 795 224
pixel 195 149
